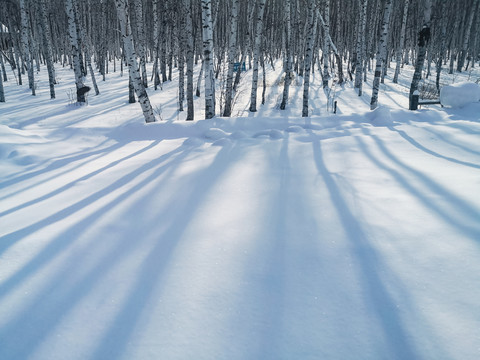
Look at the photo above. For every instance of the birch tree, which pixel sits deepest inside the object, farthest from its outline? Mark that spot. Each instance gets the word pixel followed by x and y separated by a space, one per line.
pixel 312 24
pixel 402 41
pixel 189 58
pixel 381 54
pixel 131 57
pixel 288 55
pixel 256 54
pixel 466 36
pixel 423 39
pixel 232 48
pixel 47 44
pixel 25 36
pixel 73 36
pixel 208 58
pixel 361 48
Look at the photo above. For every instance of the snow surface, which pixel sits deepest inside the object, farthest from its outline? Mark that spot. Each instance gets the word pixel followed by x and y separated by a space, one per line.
pixel 460 94
pixel 261 236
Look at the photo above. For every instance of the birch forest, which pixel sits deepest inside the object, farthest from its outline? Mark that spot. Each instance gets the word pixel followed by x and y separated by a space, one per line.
pixel 343 40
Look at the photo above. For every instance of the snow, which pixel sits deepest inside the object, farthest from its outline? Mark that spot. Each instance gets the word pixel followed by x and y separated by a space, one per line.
pixel 460 94
pixel 261 236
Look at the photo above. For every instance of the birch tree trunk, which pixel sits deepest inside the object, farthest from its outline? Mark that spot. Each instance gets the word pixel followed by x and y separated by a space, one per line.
pixel 466 37
pixel 256 54
pixel 232 47
pixel 381 54
pixel 423 40
pixel 47 43
pixel 2 91
pixel 208 58
pixel 312 23
pixel 25 35
pixel 73 37
pixel 189 58
pixel 402 41
pixel 122 12
pixel 326 43
pixel 288 55
pixel 361 48
pixel 443 41
pixel 141 43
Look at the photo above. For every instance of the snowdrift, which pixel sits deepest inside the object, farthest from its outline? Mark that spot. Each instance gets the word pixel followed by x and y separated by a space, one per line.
pixel 459 95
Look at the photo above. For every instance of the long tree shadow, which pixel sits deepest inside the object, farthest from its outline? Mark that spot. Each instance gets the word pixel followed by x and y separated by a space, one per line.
pixel 11 238
pixel 15 179
pixel 54 302
pixel 370 266
pixel 419 146
pixel 153 269
pixel 462 210
pixel 71 184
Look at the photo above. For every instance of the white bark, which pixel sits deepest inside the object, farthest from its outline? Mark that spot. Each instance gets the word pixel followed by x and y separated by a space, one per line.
pixel 256 54
pixel 189 58
pixel 326 42
pixel 122 12
pixel 402 41
pixel 381 54
pixel 466 36
pixel 361 48
pixel 25 34
pixel 208 58
pixel 312 23
pixel 288 56
pixel 73 37
pixel 232 47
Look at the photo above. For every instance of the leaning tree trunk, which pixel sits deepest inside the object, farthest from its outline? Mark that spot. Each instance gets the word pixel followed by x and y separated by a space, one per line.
pixel 25 35
pixel 122 11
pixel 232 47
pixel 402 41
pixel 381 54
pixel 288 55
pixel 208 58
pixel 423 39
pixel 312 23
pixel 256 55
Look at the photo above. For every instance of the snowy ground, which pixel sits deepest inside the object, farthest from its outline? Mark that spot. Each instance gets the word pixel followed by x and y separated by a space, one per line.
pixel 263 236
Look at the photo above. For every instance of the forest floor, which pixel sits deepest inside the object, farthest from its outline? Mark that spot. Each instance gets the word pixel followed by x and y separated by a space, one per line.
pixel 353 235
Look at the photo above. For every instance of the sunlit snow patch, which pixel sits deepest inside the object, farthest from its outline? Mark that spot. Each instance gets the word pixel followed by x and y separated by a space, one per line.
pixel 460 94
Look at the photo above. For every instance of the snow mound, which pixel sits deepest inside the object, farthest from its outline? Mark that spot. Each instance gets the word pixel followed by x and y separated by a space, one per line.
pixel 215 134
pixel 460 94
pixel 273 134
pixel 193 142
pixel 381 116
pixel 239 135
pixel 294 129
pixel 222 142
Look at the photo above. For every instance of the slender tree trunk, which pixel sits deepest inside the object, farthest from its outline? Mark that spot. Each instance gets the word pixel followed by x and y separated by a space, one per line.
pixel 423 40
pixel 208 58
pixel 72 31
pixel 402 42
pixel 312 23
pixel 232 47
pixel 190 55
pixel 443 41
pixel 466 37
pixel 25 35
pixel 256 54
pixel 381 54
pixel 288 55
pixel 361 48
pixel 2 91
pixel 326 43
pixel 47 43
pixel 122 12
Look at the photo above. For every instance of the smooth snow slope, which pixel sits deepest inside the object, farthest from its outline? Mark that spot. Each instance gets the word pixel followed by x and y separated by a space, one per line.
pixel 263 236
